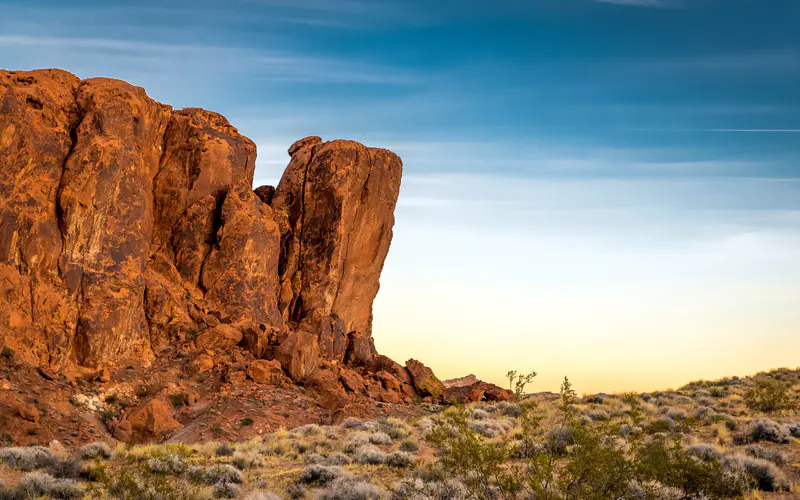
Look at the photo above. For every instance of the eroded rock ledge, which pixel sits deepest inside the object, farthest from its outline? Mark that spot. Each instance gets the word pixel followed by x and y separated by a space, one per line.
pixel 128 228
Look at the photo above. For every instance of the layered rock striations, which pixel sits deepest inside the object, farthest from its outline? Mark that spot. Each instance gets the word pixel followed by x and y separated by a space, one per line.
pixel 128 228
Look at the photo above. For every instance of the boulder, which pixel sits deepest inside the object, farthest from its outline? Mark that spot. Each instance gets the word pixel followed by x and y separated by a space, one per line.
pixel 235 377
pixel 399 371
pixel 326 382
pixel 494 392
pixel 298 354
pixel 352 381
pixel 28 412
pixel 153 419
pixel 256 338
pixel 462 394
pixel 425 382
pixel 374 389
pixel 392 397
pixel 409 391
pixel 477 391
pixel 360 350
pixel 264 371
pixel 390 383
pixel 461 382
pixel 201 364
pixel 220 337
pixel 123 431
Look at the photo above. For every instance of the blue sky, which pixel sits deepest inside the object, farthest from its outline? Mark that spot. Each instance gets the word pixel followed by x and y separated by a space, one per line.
pixel 606 189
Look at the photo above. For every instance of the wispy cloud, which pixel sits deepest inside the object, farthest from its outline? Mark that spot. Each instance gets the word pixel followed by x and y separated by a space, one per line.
pixel 724 130
pixel 659 4
pixel 752 130
pixel 263 65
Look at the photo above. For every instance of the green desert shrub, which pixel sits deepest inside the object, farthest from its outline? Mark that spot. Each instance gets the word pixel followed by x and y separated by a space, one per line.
pixel 431 489
pixel 219 473
pixel 769 395
pixel 336 458
pixel 394 428
pixel 718 392
pixel 509 409
pixel 380 438
pixel 704 451
pixel 766 475
pixel 490 428
pixel 95 450
pixel 179 399
pixel 370 455
pixel 349 488
pixel 26 458
pixel 663 424
pixel 674 413
pixel 409 446
pixel 263 495
pixel 224 450
pixel 598 415
pixel 425 426
pixel 765 429
pixel 296 491
pixel 773 456
pixel 39 484
pixel 170 465
pixel 479 414
pixel 225 490
pixel 355 424
pixel 360 439
pixel 320 474
pixel 596 399
pixel 729 420
pixel 67 468
pixel 308 430
pixel 249 460
pixel 399 459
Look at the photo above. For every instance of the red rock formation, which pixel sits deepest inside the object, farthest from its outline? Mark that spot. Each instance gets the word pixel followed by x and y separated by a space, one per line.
pixel 338 201
pixel 128 229
pixel 125 226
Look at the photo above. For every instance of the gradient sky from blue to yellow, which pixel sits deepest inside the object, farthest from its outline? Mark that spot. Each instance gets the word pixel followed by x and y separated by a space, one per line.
pixel 604 189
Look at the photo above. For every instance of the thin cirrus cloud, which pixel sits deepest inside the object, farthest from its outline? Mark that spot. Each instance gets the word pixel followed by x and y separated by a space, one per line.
pixel 660 4
pixel 725 130
pixel 266 65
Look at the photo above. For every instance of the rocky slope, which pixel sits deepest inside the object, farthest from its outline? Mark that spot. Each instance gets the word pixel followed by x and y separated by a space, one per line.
pixel 130 232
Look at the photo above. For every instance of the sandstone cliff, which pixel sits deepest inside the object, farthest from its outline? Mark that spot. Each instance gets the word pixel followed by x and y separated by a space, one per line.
pixel 128 229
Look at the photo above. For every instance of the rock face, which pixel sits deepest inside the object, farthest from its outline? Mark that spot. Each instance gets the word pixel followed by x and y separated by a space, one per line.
pixel 337 201
pixel 119 219
pixel 128 229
